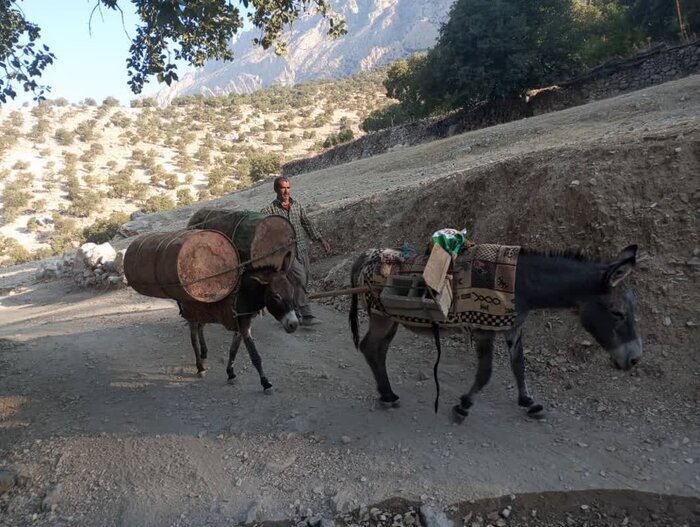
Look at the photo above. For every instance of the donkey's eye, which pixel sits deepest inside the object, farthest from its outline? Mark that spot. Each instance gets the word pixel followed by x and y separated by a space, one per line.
pixel 277 297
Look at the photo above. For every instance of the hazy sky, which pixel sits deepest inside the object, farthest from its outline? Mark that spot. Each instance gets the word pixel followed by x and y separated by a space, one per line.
pixel 86 65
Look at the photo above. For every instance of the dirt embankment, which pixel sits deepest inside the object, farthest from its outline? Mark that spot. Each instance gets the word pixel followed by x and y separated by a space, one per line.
pixel 104 422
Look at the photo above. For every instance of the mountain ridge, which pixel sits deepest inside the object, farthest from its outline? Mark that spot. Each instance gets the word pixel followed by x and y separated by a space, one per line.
pixel 379 32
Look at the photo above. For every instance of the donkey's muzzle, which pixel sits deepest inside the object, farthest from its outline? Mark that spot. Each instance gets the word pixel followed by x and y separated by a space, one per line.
pixel 290 322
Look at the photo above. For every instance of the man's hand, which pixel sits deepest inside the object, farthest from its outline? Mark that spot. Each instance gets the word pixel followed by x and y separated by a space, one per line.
pixel 326 246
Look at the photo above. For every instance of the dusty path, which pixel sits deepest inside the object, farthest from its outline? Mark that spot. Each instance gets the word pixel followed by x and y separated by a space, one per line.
pixel 100 397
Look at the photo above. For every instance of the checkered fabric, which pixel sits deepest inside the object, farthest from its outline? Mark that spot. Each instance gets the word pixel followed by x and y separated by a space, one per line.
pixel 483 284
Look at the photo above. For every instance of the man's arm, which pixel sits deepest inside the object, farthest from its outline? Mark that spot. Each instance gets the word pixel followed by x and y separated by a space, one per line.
pixel 311 230
pixel 308 226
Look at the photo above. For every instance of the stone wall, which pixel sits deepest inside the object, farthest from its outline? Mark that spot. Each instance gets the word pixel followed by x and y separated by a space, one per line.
pixel 656 66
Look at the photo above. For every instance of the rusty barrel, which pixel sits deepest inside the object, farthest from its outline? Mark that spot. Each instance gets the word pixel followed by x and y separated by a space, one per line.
pixel 185 265
pixel 264 240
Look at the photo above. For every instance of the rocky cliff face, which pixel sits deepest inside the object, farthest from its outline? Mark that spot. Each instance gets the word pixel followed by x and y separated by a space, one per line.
pixel 379 31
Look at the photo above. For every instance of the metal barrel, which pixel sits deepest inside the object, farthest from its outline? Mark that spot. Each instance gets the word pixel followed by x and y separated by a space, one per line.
pixel 265 240
pixel 185 265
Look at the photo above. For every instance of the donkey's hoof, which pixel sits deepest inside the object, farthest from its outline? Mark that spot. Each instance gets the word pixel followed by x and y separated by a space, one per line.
pixel 231 379
pixel 459 414
pixel 269 390
pixel 389 404
pixel 201 373
pixel 536 411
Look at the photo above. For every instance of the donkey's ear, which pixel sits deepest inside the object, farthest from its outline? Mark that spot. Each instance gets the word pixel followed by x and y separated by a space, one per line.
pixel 622 266
pixel 259 279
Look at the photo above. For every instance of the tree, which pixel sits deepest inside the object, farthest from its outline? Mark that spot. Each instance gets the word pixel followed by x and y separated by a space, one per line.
pixel 194 31
pixel 493 49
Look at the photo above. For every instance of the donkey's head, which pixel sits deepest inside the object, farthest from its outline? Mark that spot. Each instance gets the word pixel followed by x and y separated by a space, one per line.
pixel 278 297
pixel 610 316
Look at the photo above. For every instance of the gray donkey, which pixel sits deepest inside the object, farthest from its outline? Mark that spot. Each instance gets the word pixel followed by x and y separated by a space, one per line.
pixel 605 304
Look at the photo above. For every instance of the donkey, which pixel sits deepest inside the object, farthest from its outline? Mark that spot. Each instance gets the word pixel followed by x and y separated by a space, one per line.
pixel 543 280
pixel 259 289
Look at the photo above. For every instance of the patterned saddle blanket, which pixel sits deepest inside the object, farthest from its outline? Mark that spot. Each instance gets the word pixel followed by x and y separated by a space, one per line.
pixel 483 285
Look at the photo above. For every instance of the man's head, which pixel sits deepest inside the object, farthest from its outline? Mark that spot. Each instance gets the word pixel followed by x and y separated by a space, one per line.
pixel 283 188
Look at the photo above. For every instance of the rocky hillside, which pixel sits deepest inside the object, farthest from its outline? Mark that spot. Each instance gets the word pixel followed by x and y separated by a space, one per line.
pixel 64 168
pixel 379 32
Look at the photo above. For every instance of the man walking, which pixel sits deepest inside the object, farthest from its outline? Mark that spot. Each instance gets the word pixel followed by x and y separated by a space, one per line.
pixel 291 209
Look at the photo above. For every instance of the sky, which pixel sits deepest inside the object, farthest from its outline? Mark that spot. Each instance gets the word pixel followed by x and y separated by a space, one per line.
pixel 86 65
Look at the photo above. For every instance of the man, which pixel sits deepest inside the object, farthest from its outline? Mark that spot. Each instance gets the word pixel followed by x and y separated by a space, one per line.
pixel 285 206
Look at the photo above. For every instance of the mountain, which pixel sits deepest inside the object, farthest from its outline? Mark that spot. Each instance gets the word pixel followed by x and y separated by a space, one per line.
pixel 379 32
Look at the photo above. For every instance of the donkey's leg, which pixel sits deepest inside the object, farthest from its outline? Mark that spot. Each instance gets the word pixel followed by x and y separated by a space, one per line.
pixel 255 357
pixel 203 350
pixel 195 329
pixel 233 350
pixel 514 341
pixel 484 352
pixel 374 347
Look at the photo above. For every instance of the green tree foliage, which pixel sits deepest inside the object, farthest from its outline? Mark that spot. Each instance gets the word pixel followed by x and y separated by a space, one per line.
pixel 21 57
pixel 494 50
pixel 263 164
pixel 194 31
pixel 15 198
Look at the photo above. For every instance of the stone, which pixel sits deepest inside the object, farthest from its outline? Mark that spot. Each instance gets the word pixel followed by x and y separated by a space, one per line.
pixel 249 514
pixel 50 501
pixel 100 254
pixel 8 479
pixel 119 261
pixel 433 517
pixel 342 501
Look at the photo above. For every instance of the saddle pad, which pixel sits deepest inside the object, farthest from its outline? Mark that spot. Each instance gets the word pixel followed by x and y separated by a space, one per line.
pixel 483 279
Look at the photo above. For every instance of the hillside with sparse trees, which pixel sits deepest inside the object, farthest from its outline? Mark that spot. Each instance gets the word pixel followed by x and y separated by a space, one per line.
pixel 70 173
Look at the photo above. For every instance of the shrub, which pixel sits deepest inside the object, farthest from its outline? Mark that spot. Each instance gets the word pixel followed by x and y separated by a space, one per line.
pixel 263 164
pixel 63 137
pixel 12 252
pixel 157 204
pixel 32 224
pixel 184 197
pixel 105 229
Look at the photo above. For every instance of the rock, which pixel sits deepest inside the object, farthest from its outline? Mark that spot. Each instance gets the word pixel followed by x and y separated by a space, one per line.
pixel 432 517
pixel 101 254
pixel 8 479
pixel 50 501
pixel 249 514
pixel 342 501
pixel 50 270
pixel 506 512
pixel 82 256
pixel 345 440
pixel 667 321
pixel 119 261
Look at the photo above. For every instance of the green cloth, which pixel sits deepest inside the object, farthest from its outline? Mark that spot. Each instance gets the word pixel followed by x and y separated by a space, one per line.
pixel 451 240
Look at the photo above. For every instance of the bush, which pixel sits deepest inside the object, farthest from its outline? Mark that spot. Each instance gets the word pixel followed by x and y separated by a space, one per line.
pixel 63 137
pixel 105 229
pixel 12 252
pixel 32 224
pixel 65 235
pixel 263 164
pixel 184 197
pixel 157 204
pixel 110 102
pixel 121 183
pixel 14 199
